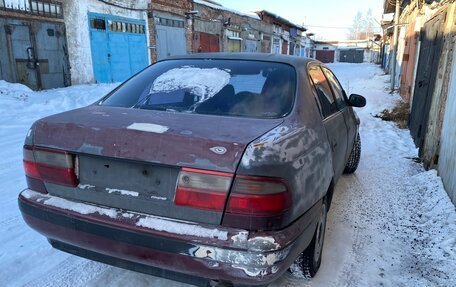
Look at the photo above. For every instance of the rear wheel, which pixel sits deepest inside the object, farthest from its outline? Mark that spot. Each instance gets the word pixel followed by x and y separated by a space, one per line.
pixel 309 261
pixel 355 155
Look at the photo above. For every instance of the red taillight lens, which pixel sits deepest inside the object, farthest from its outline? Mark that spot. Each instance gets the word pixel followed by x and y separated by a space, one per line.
pixel 258 196
pixel 202 189
pixel 49 165
pixel 254 203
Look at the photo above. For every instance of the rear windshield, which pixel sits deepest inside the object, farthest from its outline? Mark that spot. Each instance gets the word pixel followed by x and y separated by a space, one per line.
pixel 217 87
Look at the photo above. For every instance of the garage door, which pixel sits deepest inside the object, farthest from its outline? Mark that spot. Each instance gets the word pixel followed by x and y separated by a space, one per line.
pixel 250 46
pixel 351 56
pixel 119 47
pixel 33 53
pixel 325 56
pixel 170 37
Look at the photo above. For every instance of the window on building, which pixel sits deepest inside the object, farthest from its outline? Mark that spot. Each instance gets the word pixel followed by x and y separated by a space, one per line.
pixel 98 24
pixel 125 27
pixel 232 33
pixel 169 22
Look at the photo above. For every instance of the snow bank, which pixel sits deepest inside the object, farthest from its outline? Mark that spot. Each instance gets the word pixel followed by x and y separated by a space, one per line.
pixel 432 225
pixel 16 91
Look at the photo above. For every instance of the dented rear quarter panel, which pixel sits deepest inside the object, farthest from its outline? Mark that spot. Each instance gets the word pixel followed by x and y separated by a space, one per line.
pixel 297 150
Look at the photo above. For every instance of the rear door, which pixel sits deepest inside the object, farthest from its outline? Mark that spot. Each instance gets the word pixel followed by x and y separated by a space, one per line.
pixel 333 118
pixel 344 108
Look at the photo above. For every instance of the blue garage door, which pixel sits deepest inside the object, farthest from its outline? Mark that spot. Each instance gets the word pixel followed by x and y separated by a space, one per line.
pixel 119 47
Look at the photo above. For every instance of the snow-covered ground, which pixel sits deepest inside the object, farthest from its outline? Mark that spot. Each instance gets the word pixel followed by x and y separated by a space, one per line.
pixel 391 223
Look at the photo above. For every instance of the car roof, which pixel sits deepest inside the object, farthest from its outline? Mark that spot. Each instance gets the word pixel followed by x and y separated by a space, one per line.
pixel 295 61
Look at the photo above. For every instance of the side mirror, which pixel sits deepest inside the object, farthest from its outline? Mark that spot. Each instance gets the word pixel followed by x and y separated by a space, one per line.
pixel 357 101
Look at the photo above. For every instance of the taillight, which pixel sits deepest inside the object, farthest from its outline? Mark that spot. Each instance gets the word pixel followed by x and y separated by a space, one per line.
pixel 258 196
pixel 258 203
pixel 49 165
pixel 202 189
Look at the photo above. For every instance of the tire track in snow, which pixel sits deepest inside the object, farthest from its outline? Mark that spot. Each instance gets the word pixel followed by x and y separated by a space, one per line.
pixel 72 272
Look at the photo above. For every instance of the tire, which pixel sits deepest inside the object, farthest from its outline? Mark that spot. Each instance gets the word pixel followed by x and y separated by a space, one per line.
pixel 355 155
pixel 309 261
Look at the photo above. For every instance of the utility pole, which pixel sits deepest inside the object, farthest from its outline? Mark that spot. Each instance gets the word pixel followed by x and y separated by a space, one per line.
pixel 395 40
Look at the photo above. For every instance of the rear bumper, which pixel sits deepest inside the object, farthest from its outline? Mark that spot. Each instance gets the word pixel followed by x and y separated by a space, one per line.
pixel 180 251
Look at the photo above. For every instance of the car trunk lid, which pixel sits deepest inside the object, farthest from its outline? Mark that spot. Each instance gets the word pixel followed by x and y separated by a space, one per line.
pixel 131 159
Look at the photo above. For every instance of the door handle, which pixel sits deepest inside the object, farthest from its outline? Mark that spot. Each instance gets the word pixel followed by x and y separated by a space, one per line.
pixel 334 145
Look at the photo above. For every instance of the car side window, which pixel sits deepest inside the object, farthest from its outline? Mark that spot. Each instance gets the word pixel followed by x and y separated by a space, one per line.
pixel 338 91
pixel 325 96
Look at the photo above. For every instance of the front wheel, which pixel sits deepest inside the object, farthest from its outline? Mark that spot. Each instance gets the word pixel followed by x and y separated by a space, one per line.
pixel 309 261
pixel 355 155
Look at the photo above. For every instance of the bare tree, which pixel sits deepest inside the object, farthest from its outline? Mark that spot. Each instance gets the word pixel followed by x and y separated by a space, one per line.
pixel 363 26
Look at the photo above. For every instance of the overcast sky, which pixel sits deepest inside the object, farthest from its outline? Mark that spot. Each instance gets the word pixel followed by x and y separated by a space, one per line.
pixel 328 13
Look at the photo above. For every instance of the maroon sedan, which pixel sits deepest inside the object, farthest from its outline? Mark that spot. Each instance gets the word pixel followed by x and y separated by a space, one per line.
pixel 208 167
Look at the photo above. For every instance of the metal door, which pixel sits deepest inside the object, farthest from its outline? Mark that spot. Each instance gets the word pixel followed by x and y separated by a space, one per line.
pixel 285 47
pixel 351 56
pixel 325 56
pixel 119 57
pixel 431 45
pixel 447 156
pixel 276 45
pixel 100 52
pixel 119 47
pixel 234 45
pixel 170 38
pixel 408 62
pixel 24 56
pixel 250 46
pixel 207 43
pixel 52 55
pixel 34 53
pixel 138 57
